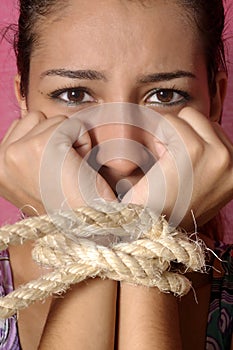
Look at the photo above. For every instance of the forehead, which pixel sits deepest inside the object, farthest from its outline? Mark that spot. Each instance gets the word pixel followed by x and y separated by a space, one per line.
pixel 111 32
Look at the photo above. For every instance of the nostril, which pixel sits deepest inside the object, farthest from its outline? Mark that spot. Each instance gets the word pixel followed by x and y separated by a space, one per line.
pixel 122 187
pixel 122 153
pixel 112 160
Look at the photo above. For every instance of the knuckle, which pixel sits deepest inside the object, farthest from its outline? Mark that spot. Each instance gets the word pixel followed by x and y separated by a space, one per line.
pixel 11 154
pixel 37 116
pixel 35 146
pixel 226 159
pixel 184 111
pixel 20 152
pixel 221 161
pixel 59 118
pixel 196 151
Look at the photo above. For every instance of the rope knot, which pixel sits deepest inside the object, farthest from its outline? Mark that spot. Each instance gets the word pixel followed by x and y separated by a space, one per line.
pixel 116 241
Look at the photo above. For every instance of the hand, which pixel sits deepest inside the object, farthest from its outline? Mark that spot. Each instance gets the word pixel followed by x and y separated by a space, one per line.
pixel 210 155
pixel 29 180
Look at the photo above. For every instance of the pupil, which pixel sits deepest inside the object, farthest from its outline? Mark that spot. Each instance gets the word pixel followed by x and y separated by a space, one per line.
pixel 75 96
pixel 165 96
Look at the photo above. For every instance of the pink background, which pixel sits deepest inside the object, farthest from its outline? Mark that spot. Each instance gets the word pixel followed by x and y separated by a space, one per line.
pixel 9 110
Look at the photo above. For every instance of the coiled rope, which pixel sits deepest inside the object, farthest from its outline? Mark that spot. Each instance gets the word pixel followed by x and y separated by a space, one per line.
pixel 116 241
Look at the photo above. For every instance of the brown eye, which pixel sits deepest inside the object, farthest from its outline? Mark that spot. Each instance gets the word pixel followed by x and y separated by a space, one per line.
pixel 73 96
pixel 166 97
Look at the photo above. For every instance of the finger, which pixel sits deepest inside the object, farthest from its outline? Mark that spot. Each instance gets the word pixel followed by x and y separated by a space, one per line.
pixel 69 132
pixel 83 145
pixel 38 123
pixel 85 182
pixel 188 124
pixel 175 133
pixel 52 122
pixel 69 170
pixel 199 123
pixel 222 135
pixel 57 148
pixel 23 126
pixel 10 130
pixel 166 188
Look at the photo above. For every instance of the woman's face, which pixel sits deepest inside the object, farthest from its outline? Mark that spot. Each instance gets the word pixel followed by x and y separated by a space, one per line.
pixel 118 51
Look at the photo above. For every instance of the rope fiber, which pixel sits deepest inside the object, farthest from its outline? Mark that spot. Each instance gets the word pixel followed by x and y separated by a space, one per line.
pixel 116 241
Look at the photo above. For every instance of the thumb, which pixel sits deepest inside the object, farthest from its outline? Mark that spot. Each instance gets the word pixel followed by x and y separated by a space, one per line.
pixel 62 155
pixel 166 188
pixel 70 133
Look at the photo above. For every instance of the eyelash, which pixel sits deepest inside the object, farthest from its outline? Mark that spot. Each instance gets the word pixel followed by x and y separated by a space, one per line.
pixel 57 95
pixel 185 97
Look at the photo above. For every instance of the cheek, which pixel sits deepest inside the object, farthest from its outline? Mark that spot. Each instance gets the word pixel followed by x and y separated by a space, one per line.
pixel 37 101
pixel 202 100
pixel 203 105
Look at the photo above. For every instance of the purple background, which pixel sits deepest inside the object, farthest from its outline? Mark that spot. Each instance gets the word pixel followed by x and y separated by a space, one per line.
pixel 9 110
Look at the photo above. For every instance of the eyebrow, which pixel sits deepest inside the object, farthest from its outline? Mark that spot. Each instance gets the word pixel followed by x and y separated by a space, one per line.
pixel 157 77
pixel 89 74
pixel 75 74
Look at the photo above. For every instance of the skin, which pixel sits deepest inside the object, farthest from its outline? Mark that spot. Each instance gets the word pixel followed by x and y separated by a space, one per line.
pixel 80 45
pixel 119 84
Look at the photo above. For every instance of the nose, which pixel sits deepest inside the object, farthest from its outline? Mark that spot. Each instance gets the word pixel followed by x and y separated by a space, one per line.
pixel 122 142
pixel 121 151
pixel 121 148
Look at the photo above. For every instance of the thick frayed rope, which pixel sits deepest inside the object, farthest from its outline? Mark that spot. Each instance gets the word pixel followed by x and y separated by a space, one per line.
pixel 116 241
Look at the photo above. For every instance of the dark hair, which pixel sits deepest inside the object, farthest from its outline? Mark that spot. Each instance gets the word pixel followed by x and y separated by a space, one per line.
pixel 209 18
pixel 207 14
pixel 31 13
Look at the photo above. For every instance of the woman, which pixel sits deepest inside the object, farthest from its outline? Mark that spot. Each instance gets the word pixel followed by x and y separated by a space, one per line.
pixel 167 56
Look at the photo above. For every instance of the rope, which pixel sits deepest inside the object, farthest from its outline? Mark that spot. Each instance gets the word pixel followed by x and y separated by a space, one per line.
pixel 116 241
